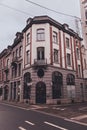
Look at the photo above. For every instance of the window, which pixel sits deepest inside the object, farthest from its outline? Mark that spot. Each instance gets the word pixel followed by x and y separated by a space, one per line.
pixel 14 72
pixel 70 79
pixel 0 76
pixel 57 81
pixel 55 37
pixel 40 34
pixel 86 14
pixel 78 53
pixel 28 57
pixel 1 91
pixel 86 22
pixel 28 39
pixel 68 59
pixel 70 85
pixel 85 63
pixel 1 63
pixel 16 52
pixel 20 51
pixel 56 56
pixel 13 54
pixel 79 70
pixel 8 62
pixel 67 43
pixel 27 88
pixel 6 76
pixel 40 53
pixel 19 69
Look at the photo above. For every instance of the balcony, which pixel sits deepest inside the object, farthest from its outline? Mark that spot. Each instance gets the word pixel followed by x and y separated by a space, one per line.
pixel 14 61
pixel 41 62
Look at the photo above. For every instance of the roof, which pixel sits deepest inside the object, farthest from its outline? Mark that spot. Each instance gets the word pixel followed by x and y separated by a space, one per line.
pixel 46 19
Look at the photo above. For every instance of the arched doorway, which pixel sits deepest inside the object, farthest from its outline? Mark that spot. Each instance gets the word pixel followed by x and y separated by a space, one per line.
pixel 6 92
pixel 40 92
pixel 57 82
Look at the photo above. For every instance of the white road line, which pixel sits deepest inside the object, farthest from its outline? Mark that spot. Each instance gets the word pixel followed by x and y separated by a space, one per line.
pixel 79 117
pixel 21 128
pixel 77 122
pixel 61 128
pixel 30 123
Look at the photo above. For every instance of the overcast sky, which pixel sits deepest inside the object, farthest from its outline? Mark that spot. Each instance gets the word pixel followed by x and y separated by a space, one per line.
pixel 12 21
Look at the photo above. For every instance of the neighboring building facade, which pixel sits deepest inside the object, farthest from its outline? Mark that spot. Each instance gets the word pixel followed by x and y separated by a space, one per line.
pixel 51 64
pixel 16 69
pixel 83 5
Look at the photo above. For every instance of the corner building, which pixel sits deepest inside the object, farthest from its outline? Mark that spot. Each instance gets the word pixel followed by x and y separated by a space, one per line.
pixel 52 63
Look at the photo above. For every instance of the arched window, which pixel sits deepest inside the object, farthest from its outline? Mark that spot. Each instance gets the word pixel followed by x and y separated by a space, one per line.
pixel 40 34
pixel 57 77
pixel 70 79
pixel 27 77
pixel 57 80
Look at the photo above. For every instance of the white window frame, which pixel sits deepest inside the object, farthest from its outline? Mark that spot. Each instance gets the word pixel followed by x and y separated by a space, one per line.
pixel 40 34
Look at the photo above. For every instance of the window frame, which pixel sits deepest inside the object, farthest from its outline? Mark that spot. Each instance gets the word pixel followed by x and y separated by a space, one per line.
pixel 20 51
pixel 56 56
pixel 55 37
pixel 28 38
pixel 28 57
pixel 40 34
pixel 68 43
pixel 78 53
pixel 68 59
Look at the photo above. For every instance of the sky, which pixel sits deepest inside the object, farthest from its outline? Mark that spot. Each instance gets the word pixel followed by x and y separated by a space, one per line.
pixel 14 13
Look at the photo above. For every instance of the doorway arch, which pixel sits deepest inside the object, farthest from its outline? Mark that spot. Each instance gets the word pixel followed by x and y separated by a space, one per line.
pixel 41 92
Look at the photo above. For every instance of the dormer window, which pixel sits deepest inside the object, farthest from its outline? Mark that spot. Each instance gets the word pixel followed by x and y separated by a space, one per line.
pixel 40 34
pixel 66 26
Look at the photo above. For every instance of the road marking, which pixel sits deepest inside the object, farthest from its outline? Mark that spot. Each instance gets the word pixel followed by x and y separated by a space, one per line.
pixel 61 128
pixel 30 123
pixel 80 117
pixel 21 128
pixel 77 122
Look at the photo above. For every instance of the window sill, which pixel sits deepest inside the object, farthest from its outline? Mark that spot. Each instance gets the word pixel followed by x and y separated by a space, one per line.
pixel 40 40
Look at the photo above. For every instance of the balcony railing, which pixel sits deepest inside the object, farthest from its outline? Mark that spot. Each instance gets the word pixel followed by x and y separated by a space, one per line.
pixel 15 59
pixel 40 62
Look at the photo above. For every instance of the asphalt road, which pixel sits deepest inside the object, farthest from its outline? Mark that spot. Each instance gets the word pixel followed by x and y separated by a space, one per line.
pixel 13 118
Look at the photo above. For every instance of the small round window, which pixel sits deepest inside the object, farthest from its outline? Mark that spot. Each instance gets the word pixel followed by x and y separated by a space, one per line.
pixel 40 73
